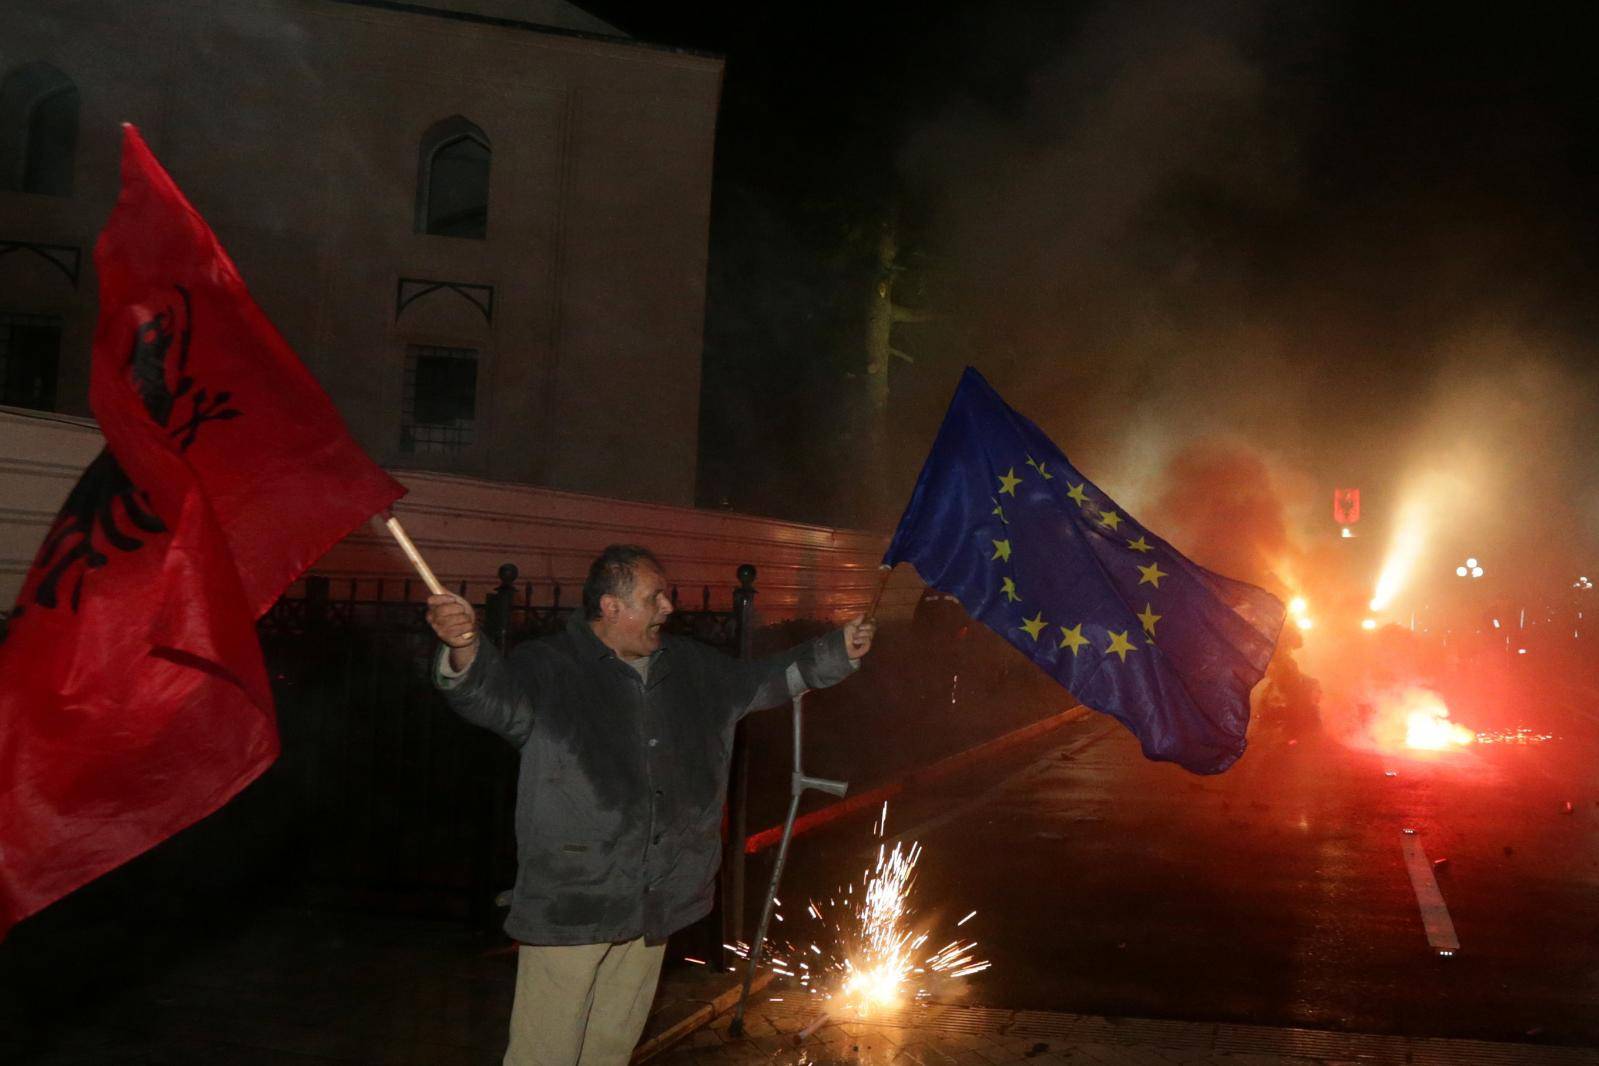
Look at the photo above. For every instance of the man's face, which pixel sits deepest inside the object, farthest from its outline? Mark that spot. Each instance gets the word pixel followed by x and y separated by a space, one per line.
pixel 636 629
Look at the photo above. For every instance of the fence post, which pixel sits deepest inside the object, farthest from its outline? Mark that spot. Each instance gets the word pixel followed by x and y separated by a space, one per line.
pixel 497 606
pixel 738 785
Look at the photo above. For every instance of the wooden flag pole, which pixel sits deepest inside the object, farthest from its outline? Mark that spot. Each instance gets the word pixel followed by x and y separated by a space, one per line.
pixel 412 554
pixel 871 612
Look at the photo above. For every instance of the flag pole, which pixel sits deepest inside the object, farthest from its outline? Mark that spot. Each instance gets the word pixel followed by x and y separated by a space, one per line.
pixel 422 568
pixel 871 612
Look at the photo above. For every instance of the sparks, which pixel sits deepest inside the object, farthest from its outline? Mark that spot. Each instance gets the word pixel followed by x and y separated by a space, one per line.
pixel 879 960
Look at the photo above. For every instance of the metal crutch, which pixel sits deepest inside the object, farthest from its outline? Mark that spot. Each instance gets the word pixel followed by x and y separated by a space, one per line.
pixel 797 784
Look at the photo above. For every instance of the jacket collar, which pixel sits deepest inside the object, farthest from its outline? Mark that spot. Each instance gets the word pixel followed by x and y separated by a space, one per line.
pixel 592 647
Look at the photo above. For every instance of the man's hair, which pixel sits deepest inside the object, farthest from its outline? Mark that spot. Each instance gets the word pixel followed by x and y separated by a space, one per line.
pixel 612 574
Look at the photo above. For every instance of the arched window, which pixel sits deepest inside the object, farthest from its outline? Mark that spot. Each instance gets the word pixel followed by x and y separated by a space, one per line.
pixel 38 130
pixel 452 185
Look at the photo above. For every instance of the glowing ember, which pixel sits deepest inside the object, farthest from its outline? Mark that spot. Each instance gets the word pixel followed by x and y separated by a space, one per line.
pixel 1522 735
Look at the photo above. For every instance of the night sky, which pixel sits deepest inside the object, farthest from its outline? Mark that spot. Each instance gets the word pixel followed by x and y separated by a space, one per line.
pixel 1354 241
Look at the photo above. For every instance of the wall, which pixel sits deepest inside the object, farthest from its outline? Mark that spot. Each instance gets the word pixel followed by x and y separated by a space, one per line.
pixel 293 126
pixel 467 527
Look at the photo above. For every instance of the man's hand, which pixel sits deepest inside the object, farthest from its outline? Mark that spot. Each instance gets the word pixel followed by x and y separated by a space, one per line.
pixel 858 634
pixel 452 618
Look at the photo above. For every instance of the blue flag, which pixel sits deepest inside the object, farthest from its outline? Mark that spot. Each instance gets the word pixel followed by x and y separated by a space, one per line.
pixel 1036 552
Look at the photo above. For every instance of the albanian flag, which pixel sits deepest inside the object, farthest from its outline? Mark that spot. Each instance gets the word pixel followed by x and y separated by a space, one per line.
pixel 135 699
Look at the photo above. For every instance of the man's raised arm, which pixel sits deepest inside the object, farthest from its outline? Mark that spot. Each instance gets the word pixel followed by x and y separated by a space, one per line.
pixel 818 663
pixel 478 684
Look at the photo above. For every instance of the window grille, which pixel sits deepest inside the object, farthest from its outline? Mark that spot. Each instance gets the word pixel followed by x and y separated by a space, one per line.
pixel 440 400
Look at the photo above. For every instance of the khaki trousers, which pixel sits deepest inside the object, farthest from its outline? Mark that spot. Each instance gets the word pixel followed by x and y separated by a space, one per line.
pixel 583 1005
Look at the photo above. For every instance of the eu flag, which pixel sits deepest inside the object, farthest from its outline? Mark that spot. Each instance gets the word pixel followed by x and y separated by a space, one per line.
pixel 1035 551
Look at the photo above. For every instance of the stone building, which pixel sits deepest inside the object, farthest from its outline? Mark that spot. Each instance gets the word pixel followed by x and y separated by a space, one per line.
pixel 481 223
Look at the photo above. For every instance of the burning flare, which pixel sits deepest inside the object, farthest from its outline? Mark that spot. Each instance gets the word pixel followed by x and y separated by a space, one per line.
pixel 1404 552
pixel 1427 724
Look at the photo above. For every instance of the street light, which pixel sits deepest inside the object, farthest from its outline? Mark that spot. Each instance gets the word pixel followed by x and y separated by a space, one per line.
pixel 1471 569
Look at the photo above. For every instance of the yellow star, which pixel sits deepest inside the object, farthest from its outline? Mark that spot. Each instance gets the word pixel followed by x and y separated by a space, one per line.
pixel 1035 626
pixel 1152 574
pixel 1110 518
pixel 1008 588
pixel 1140 545
pixel 1008 483
pixel 1076 492
pixel 1001 551
pixel 1149 618
pixel 1038 466
pixel 1120 645
pixel 1000 511
pixel 1073 638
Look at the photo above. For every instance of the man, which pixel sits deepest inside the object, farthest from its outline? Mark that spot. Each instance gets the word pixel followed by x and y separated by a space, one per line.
pixel 625 736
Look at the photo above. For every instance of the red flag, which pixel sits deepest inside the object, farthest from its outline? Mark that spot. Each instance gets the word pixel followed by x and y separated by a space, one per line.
pixel 1346 506
pixel 136 701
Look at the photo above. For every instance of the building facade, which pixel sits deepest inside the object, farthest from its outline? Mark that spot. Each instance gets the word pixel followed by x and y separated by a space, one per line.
pixel 482 225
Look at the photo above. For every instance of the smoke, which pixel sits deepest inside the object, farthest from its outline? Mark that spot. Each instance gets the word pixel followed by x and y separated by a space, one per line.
pixel 1172 237
pixel 1231 257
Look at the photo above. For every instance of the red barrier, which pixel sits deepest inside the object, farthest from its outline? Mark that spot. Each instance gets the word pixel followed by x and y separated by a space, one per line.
pixel 769 837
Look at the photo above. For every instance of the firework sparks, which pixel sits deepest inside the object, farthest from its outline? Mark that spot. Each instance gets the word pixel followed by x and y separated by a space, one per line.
pixel 879 967
pixel 877 956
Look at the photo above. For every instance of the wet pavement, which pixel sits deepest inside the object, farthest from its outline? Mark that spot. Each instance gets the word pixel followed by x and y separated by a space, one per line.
pixel 1276 894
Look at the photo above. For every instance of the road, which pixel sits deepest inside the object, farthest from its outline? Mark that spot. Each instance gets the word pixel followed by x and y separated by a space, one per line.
pixel 1276 893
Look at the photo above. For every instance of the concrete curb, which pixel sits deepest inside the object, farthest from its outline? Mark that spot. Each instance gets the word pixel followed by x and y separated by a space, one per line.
pixel 873 797
pixel 703 1016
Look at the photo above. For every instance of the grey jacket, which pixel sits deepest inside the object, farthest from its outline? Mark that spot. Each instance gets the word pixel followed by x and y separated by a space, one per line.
pixel 621 786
